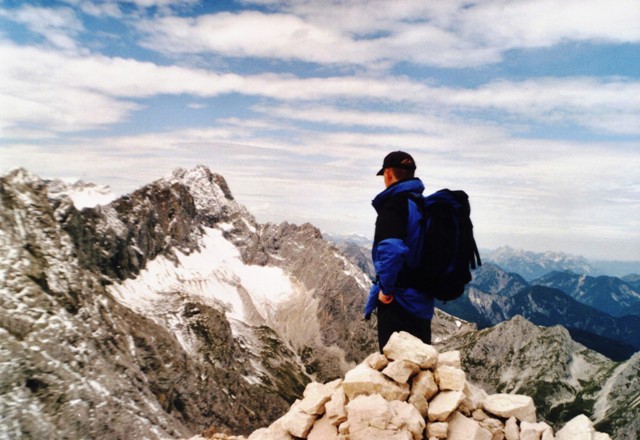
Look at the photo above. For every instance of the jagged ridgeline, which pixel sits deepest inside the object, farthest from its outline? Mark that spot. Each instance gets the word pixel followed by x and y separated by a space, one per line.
pixel 170 311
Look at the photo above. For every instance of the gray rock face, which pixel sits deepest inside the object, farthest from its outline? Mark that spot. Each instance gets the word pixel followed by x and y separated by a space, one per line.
pixel 77 364
pixel 72 351
pixel 561 376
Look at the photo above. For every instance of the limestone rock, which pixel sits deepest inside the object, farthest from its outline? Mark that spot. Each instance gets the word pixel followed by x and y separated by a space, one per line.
pixel 437 430
pixel 463 428
pixel 420 404
pixel 323 429
pixel 377 361
pixel 407 418
pixel 364 380
pixel 275 431
pixel 474 396
pixel 511 429
pixel 424 384
pixel 450 378
pixel 479 415
pixel 401 371
pixel 297 422
pixel 445 403
pixel 535 431
pixel 578 428
pixel 507 405
pixel 451 358
pixel 491 425
pixel 316 395
pixel 404 346
pixel 335 407
pixel 383 419
pixel 368 411
pixel 378 434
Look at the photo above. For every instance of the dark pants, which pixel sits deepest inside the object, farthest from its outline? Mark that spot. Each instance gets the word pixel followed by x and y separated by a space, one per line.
pixel 393 318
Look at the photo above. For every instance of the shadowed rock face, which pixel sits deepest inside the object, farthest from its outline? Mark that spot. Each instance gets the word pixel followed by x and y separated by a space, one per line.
pixel 77 364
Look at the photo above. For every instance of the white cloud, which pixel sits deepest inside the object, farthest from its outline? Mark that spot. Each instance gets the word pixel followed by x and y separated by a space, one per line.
pixel 253 34
pixel 59 26
pixel 603 105
pixel 543 23
pixel 526 190
pixel 69 92
pixel 375 33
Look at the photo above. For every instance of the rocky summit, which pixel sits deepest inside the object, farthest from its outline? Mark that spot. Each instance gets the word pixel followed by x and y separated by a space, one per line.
pixel 171 311
pixel 413 392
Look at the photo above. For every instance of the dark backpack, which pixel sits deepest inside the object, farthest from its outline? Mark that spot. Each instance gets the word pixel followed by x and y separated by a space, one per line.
pixel 448 251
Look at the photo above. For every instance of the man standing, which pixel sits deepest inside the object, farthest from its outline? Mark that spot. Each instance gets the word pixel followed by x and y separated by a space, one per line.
pixel 396 249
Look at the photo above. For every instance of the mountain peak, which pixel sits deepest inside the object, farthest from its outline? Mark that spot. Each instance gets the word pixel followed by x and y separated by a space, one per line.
pixel 211 193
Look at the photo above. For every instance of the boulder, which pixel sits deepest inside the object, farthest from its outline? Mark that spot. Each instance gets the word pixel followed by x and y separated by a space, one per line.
pixel 511 429
pixel 316 395
pixel 368 411
pixel 443 405
pixel 377 361
pixel 297 422
pixel 534 431
pixel 380 434
pixel 383 419
pixel 404 346
pixel 506 405
pixel 474 396
pixel 463 428
pixel 450 378
pixel 437 429
pixel 424 384
pixel 364 380
pixel 274 432
pixel 401 371
pixel 335 407
pixel 491 425
pixel 323 429
pixel 451 358
pixel 578 428
pixel 407 418
pixel 420 403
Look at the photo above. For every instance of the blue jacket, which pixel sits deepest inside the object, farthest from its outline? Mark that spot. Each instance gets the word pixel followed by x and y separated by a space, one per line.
pixel 396 245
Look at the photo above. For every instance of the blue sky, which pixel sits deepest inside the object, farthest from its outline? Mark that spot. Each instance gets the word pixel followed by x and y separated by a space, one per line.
pixel 532 107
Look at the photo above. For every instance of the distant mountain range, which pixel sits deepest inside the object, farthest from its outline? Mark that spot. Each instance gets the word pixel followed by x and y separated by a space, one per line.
pixel 579 303
pixel 608 294
pixel 532 265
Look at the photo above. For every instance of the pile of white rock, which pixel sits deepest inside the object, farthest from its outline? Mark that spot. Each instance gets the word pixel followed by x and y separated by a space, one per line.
pixel 412 392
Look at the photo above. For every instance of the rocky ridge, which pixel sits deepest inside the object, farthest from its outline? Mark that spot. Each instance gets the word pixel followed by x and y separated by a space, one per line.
pixel 412 392
pixel 100 317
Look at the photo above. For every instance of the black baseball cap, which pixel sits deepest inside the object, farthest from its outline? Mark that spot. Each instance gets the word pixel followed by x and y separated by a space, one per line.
pixel 398 159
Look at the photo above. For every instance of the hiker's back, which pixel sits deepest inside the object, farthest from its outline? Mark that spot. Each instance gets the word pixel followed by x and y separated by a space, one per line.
pixel 444 247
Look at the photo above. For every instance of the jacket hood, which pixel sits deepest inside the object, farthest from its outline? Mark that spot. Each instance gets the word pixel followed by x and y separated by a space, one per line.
pixel 413 185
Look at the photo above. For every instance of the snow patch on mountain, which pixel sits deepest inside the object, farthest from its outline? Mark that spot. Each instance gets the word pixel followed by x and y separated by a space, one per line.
pixel 251 294
pixel 82 194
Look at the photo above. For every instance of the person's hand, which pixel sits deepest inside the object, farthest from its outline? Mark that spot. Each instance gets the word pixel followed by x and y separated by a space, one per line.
pixel 384 299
